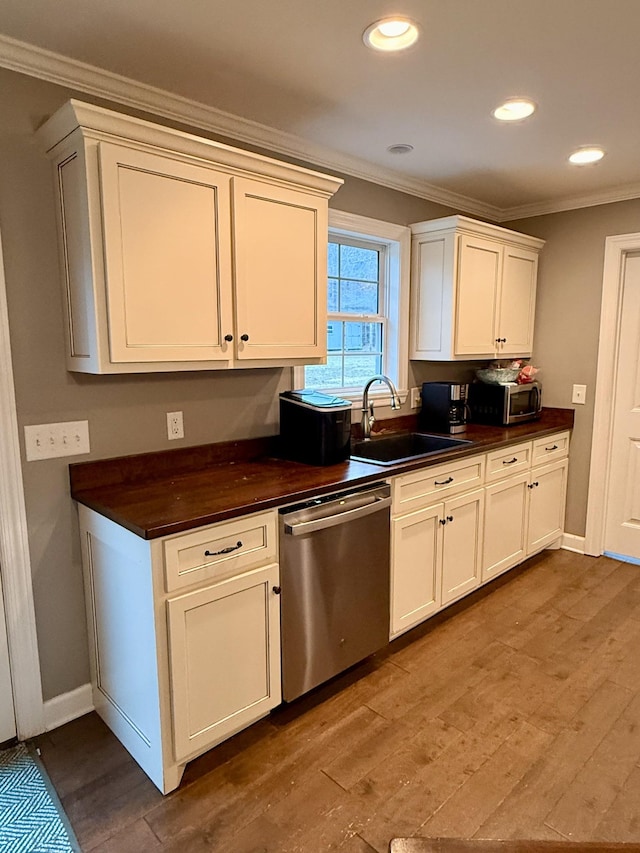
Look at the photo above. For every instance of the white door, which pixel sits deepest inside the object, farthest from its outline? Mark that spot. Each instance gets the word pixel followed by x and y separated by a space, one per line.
pixel 622 530
pixel 7 717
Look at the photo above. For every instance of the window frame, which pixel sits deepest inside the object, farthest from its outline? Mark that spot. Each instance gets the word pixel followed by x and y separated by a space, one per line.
pixel 395 292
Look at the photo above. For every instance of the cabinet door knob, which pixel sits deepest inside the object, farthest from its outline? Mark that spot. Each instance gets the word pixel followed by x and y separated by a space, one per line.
pixel 277 590
pixel 244 337
pixel 443 521
pixel 228 338
pixel 449 518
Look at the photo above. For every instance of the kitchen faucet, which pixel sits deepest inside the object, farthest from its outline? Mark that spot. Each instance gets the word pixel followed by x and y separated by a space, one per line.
pixel 367 408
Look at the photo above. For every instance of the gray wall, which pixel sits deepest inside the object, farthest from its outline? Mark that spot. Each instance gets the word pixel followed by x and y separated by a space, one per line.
pixel 568 321
pixel 127 414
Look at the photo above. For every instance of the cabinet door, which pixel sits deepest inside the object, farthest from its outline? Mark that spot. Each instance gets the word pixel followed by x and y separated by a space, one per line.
pixel 416 546
pixel 167 257
pixel 517 302
pixel 505 525
pixel 224 654
pixel 479 269
pixel 547 497
pixel 462 546
pixel 280 255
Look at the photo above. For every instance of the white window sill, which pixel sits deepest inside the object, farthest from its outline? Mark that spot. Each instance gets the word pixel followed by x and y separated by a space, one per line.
pixel 379 397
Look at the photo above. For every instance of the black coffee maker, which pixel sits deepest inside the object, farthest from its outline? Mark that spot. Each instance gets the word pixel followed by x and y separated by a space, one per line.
pixel 444 407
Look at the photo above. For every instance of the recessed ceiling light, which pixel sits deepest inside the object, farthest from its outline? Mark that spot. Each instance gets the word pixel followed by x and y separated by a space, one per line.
pixel 400 148
pixel 514 109
pixel 586 154
pixel 391 34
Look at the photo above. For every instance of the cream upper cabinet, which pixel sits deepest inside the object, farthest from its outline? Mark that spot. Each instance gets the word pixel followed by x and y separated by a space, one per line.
pixel 167 260
pixel 280 253
pixel 179 253
pixel 473 289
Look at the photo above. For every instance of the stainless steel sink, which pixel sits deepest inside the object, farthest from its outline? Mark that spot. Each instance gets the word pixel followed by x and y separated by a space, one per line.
pixel 390 449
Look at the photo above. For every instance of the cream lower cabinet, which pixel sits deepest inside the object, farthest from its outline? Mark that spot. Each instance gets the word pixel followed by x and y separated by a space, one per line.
pixel 505 527
pixel 496 510
pixel 224 658
pixel 462 533
pixel 547 498
pixel 178 253
pixel 184 635
pixel 525 509
pixel 436 548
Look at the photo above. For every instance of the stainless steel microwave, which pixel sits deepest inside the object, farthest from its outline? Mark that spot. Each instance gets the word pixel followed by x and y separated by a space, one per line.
pixel 504 404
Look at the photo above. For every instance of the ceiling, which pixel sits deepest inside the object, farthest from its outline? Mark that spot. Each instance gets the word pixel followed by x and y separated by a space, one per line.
pixel 299 72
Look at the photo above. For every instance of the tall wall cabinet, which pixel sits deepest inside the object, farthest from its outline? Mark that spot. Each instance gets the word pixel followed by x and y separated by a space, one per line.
pixel 473 290
pixel 179 253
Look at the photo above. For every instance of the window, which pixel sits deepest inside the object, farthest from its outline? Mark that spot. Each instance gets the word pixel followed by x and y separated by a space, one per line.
pixel 367 306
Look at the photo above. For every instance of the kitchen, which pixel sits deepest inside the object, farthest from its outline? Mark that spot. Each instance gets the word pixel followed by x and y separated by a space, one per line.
pixel 127 414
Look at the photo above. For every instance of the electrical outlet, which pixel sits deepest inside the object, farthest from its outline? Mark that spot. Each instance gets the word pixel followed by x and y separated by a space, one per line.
pixel 415 398
pixel 579 395
pixel 175 427
pixel 47 441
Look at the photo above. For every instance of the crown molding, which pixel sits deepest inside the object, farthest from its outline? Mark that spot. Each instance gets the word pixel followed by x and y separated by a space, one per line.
pixel 525 211
pixel 79 76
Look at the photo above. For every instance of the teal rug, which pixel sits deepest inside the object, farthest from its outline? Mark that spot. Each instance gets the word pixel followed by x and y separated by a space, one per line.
pixel 31 817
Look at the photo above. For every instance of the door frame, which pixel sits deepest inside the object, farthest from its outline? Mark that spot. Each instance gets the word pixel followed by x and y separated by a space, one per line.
pixel 615 254
pixel 17 585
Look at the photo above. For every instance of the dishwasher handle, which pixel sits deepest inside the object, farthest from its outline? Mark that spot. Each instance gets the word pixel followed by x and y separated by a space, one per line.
pixel 360 510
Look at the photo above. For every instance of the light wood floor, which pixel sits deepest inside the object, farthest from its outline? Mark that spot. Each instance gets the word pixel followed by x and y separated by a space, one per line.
pixel 514 715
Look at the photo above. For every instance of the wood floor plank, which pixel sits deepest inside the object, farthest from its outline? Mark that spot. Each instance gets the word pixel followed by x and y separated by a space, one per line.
pixel 621 822
pixel 512 713
pixel 523 812
pixel 595 787
pixel 469 807
pixel 405 812
pixel 134 838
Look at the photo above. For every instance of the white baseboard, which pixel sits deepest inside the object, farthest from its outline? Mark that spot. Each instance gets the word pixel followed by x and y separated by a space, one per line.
pixel 571 542
pixel 68 706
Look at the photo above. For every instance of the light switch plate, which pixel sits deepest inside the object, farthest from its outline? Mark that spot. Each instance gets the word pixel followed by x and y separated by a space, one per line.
pixel 415 398
pixel 579 395
pixel 47 441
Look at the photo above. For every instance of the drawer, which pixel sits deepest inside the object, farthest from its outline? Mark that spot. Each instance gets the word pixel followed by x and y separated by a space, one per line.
pixel 509 460
pixel 220 551
pixel 550 448
pixel 424 487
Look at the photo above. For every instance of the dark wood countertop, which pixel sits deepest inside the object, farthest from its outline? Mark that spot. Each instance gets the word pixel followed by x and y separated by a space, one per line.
pixel 157 494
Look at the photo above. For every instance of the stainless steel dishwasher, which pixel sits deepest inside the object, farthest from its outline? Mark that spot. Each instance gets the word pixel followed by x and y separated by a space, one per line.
pixel 334 575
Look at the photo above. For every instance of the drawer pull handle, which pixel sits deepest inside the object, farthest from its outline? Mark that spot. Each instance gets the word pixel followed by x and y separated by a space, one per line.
pixel 555 447
pixel 443 482
pixel 223 551
pixel 509 461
